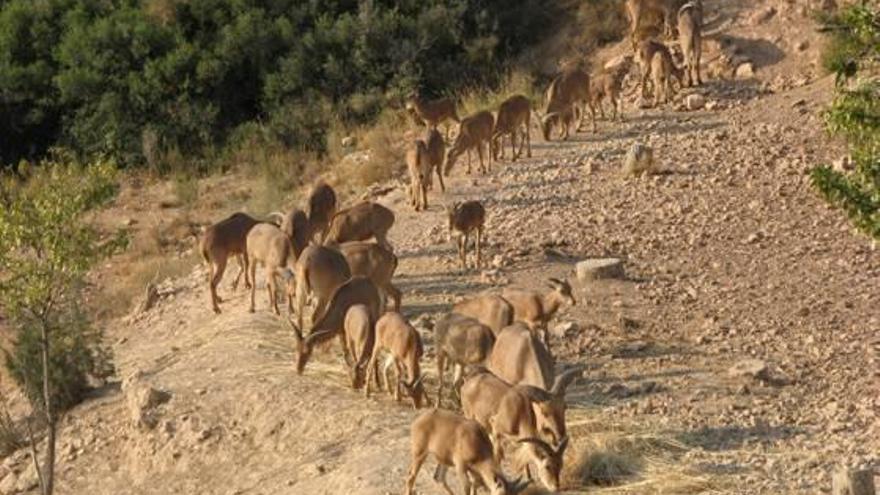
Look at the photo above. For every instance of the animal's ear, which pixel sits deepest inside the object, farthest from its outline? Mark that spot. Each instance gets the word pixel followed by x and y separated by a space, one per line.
pixel 555 283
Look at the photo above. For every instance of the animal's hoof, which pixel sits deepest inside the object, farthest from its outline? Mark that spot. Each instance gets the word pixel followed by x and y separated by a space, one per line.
pixel 251 310
pixel 217 311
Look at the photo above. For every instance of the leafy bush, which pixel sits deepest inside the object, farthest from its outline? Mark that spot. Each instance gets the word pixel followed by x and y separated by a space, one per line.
pixel 132 79
pixel 854 52
pixel 46 249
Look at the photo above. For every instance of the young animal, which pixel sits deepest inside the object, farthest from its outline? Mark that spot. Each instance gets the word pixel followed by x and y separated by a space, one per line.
pixel 319 271
pixel 269 245
pixel 608 84
pixel 663 69
pixel 646 53
pixel 536 309
pixel 514 118
pixel 474 132
pixel 690 20
pixel 322 207
pixel 225 238
pixel 461 443
pixel 432 112
pixel 419 165
pixel 463 341
pixel 360 341
pixel 396 337
pixel 367 259
pixel 359 223
pixel 466 218
pixel 331 323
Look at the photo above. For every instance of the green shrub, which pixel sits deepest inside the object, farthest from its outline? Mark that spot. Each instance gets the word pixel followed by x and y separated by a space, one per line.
pixel 46 250
pixel 77 354
pixel 132 78
pixel 853 54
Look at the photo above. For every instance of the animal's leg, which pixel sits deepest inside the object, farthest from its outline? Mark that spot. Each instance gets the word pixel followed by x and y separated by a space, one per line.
pixel 441 368
pixel 252 270
pixel 418 458
pixel 479 246
pixel 270 286
pixel 217 269
pixel 440 176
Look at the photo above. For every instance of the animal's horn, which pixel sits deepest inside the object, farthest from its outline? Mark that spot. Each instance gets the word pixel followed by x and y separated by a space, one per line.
pixel 563 381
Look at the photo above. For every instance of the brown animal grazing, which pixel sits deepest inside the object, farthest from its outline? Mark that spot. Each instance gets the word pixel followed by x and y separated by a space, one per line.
pixel 269 245
pixel 536 309
pixel 459 443
pixel 319 271
pixel 463 341
pixel 514 118
pixel 690 20
pixel 419 165
pixel 359 223
pixel 331 324
pixel 433 112
pixel 322 207
pixel 466 218
pixel 225 238
pixel 489 309
pixel 436 155
pixel 517 413
pixel 360 340
pixel 563 120
pixel 395 336
pixel 474 132
pixel 569 93
pixel 367 259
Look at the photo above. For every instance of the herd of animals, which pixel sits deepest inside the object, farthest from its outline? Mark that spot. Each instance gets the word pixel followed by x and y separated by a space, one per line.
pixel 504 372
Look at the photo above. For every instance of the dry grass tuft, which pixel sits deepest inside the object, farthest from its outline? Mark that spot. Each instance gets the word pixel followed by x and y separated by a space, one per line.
pixel 479 99
pixel 624 458
pixel 380 155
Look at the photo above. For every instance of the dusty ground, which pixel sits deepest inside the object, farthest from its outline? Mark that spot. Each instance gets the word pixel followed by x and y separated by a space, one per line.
pixel 729 255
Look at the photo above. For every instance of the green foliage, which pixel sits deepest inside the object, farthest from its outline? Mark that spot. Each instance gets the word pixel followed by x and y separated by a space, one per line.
pixel 131 79
pixel 854 51
pixel 46 249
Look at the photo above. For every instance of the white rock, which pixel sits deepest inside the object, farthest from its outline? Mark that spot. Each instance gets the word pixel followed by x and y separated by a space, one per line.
pixel 745 71
pixel 695 102
pixel 603 268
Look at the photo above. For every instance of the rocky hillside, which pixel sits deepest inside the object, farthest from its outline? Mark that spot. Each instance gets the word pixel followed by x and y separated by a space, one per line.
pixel 740 354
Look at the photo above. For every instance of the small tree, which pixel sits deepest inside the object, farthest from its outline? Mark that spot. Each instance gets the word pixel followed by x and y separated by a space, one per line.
pixel 46 250
pixel 854 56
